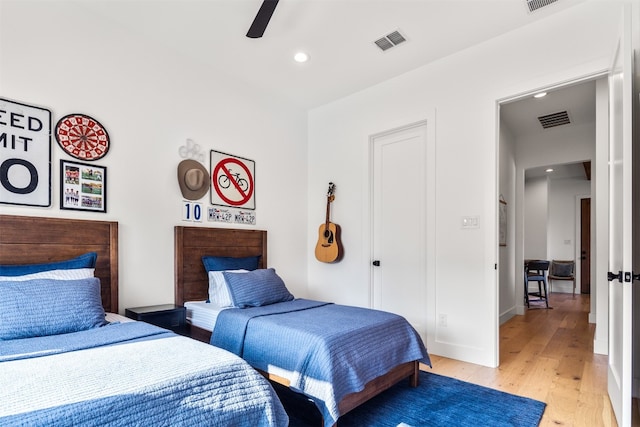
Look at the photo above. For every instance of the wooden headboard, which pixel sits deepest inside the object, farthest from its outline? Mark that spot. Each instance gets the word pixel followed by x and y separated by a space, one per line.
pixel 31 240
pixel 191 243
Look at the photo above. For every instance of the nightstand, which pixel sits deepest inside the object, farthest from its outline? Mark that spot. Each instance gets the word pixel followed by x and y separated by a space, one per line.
pixel 166 316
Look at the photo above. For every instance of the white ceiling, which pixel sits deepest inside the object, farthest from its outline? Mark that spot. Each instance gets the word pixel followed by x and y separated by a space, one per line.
pixel 521 117
pixel 560 171
pixel 339 36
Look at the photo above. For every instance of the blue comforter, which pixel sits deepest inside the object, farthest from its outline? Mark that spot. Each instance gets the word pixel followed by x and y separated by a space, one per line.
pixel 130 374
pixel 325 350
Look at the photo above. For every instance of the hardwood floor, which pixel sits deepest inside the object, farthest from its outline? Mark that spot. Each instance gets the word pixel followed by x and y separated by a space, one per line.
pixel 547 355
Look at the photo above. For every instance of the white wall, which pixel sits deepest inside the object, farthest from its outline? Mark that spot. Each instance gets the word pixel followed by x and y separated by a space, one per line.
pixel 462 89
pixel 559 145
pixel 550 216
pixel 151 101
pixel 536 196
pixel 561 227
pixel 506 254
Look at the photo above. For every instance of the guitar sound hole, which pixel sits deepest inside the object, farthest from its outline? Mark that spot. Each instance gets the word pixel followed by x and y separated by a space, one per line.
pixel 329 236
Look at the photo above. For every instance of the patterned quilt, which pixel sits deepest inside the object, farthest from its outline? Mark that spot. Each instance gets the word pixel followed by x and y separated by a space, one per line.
pixel 325 350
pixel 130 374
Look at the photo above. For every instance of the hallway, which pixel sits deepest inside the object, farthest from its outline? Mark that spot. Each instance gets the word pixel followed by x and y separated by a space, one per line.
pixel 548 355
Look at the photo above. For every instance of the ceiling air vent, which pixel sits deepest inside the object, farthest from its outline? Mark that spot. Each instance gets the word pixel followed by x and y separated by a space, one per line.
pixel 390 40
pixel 555 119
pixel 534 5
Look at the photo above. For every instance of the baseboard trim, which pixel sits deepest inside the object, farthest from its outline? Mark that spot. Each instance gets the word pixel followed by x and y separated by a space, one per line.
pixel 600 347
pixel 508 314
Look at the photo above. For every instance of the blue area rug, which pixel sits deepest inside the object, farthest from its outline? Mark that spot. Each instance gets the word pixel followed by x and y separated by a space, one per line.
pixel 437 401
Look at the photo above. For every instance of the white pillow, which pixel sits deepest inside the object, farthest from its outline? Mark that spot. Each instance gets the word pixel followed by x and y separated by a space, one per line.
pixel 71 274
pixel 218 290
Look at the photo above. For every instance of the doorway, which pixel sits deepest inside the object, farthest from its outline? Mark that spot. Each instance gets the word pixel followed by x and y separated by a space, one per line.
pixel 535 146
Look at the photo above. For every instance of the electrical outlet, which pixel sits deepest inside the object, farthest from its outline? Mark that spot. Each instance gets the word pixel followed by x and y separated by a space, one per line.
pixel 442 320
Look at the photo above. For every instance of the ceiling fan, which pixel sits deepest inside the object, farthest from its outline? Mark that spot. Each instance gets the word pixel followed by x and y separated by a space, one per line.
pixel 261 20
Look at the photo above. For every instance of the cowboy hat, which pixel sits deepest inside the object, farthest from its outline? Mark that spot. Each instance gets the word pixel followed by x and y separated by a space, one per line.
pixel 193 179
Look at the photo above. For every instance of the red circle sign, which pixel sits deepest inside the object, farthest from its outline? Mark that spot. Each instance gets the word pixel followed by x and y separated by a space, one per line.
pixel 223 179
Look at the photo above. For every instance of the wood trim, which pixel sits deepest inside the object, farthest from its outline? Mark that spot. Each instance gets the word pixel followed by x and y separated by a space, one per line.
pixel 114 267
pixel 30 240
pixel 200 334
pixel 380 384
pixel 178 266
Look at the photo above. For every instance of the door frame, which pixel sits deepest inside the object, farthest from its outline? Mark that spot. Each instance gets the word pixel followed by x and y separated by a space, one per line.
pixel 518 247
pixel 429 120
pixel 578 243
pixel 585 209
pixel 378 144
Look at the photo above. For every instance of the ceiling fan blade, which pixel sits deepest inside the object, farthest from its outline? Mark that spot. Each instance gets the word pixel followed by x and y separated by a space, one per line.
pixel 261 20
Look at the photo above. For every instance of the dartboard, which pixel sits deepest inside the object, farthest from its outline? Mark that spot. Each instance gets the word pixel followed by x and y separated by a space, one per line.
pixel 82 137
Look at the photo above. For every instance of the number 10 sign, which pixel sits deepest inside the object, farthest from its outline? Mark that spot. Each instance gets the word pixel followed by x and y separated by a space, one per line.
pixel 191 211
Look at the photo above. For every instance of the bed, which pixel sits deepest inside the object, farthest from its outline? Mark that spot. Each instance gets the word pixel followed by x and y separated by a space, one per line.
pixel 68 358
pixel 192 290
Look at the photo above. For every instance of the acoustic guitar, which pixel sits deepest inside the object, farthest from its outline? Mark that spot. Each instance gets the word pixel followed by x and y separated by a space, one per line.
pixel 329 247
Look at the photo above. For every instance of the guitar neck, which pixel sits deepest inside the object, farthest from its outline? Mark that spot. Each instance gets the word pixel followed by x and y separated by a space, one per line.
pixel 326 221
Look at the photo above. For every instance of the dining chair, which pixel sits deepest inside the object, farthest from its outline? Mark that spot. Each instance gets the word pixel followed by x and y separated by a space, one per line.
pixel 562 270
pixel 536 271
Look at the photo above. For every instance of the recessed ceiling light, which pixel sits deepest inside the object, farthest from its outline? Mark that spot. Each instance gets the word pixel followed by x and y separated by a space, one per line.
pixel 301 57
pixel 540 95
pixel 549 170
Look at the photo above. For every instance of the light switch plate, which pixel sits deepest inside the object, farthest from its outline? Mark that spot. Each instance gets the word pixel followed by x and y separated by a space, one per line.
pixel 470 222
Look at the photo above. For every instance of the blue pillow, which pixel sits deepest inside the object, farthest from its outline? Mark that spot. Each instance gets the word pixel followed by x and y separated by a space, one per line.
pixel 87 260
pixel 41 307
pixel 221 263
pixel 256 288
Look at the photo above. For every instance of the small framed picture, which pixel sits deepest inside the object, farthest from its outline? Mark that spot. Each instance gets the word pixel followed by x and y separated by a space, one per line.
pixel 83 186
pixel 503 222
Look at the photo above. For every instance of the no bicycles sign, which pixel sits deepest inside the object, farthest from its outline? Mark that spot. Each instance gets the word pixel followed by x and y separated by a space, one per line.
pixel 232 181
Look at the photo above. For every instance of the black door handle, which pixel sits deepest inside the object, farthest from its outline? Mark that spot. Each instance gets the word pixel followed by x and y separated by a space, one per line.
pixel 612 276
pixel 635 276
pixel 376 263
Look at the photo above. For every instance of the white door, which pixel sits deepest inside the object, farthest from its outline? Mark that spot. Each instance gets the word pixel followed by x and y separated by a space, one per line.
pixel 620 228
pixel 399 223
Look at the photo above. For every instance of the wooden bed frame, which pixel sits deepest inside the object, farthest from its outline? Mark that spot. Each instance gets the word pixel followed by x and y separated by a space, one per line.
pixel 192 284
pixel 29 240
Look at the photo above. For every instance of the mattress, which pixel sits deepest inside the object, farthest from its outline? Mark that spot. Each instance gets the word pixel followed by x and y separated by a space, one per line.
pixel 202 314
pixel 114 317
